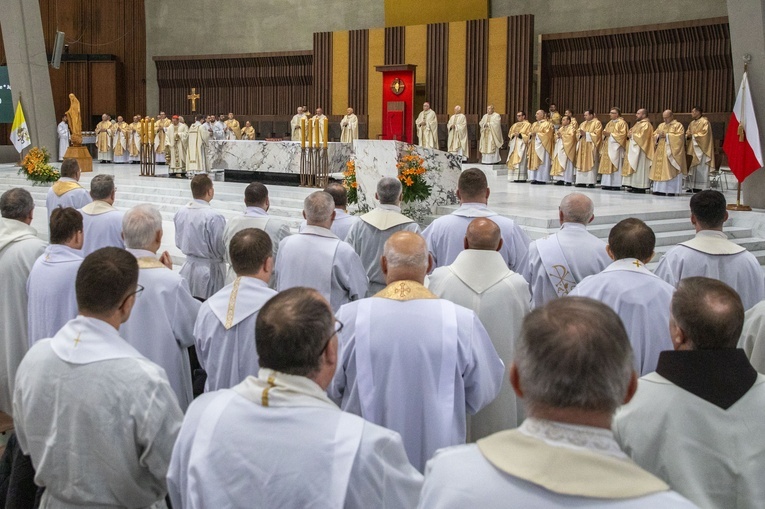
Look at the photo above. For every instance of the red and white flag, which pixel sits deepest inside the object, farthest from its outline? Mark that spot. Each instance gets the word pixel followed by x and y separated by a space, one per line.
pixel 742 139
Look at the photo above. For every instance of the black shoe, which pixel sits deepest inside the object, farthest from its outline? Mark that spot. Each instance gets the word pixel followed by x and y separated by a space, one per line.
pixel 657 193
pixel 591 186
pixel 559 183
pixel 569 184
pixel 521 181
pixel 580 185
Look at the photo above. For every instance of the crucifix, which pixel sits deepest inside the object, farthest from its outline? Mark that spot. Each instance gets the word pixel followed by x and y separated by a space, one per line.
pixel 193 96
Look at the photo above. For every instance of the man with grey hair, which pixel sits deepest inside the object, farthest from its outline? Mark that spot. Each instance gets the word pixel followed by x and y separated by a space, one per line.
pixel 368 236
pixel 19 248
pixel 561 261
pixel 316 258
pixel 412 362
pixel 161 325
pixel 102 223
pixel 573 368
pixel 67 191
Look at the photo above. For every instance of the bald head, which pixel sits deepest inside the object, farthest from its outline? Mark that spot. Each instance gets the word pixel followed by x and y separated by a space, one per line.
pixel 405 257
pixel 576 208
pixel 668 116
pixel 483 234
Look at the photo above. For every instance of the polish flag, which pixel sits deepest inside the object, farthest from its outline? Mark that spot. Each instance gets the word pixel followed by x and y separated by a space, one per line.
pixel 742 139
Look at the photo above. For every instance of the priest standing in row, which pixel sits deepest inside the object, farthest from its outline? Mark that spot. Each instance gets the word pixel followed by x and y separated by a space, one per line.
pixel 248 132
pixel 490 140
pixel 612 151
pixel 480 280
pixel 102 223
pixel 540 149
pixel 196 154
pixel 317 125
pixel 588 149
pixel 457 141
pixel 669 164
pixel 564 153
pixel 234 130
pixel 120 132
pixel 177 139
pixel 517 148
pixel 67 191
pixel 405 340
pixel 104 139
pixel 701 148
pixel 63 137
pixel 160 128
pixel 349 127
pixel 134 140
pixel 427 127
pixel 636 170
pixel 296 128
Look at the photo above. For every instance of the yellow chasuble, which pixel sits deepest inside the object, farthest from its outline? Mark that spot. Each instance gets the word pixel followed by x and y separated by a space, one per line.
pixel 405 290
pixel 248 133
pixel 567 133
pixel 134 148
pixel 701 131
pixel 103 136
pixel 521 130
pixel 544 131
pixel 233 125
pixel 555 118
pixel 158 126
pixel 618 129
pixel 642 135
pixel 120 127
pixel 61 188
pixel 575 124
pixel 667 164
pixel 585 150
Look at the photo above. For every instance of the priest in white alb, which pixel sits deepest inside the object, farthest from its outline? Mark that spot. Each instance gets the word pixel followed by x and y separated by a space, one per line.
pixel 319 123
pixel 540 149
pixel 67 191
pixel 97 418
pixel 317 259
pixel 160 132
pixel 343 220
pixel 457 141
pixel 517 148
pixel 349 127
pixel 161 326
pixel 669 165
pixel 711 254
pixel 490 140
pixel 446 235
pixel 612 151
pixel 50 287
pixel 219 129
pixel 588 150
pixel 120 131
pixel 255 216
pixel 134 140
pixel 224 333
pixel 636 169
pixel 104 139
pixel 480 280
pixel 561 261
pixel 412 362
pixel 276 440
pixel 564 153
pixel 427 127
pixel 296 128
pixel 701 148
pixel 63 137
pixel 639 296
pixel 199 235
pixel 177 138
pixel 20 247
pixel 234 129
pixel 752 339
pixel 368 235
pixel 572 368
pixel 196 155
pixel 102 223
pixel 698 421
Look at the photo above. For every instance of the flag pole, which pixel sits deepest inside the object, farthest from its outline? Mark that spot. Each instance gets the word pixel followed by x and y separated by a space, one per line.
pixel 738 206
pixel 741 133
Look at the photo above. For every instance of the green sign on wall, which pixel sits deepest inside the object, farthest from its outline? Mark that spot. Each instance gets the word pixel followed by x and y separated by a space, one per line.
pixel 6 101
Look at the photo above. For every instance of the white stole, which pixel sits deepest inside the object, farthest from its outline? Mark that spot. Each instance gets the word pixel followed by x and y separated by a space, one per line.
pixel 556 266
pixel 84 340
pixel 714 243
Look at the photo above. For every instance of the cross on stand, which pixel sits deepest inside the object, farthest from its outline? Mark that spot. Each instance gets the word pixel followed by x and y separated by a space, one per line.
pixel 193 96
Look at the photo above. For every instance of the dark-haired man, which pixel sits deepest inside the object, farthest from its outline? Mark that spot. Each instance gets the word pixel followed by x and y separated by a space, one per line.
pixel 50 287
pixel 313 454
pixel 67 191
pixel 102 223
pixel 199 235
pixel 224 332
pixel 446 235
pixel 98 419
pixel 590 137
pixel 19 248
pixel 638 296
pixel 701 147
pixel 698 421
pixel 711 254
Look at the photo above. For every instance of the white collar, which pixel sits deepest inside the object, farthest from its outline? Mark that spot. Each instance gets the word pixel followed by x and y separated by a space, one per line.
pixel 256 212
pixel 712 233
pixel 141 253
pixel 274 389
pixel 392 208
pixel 630 265
pixel 318 231
pixel 59 253
pixel 84 340
pixel 67 179
pixel 573 226
pixel 479 269
pixel 474 209
pixel 341 214
pixel 572 436
pixel 197 204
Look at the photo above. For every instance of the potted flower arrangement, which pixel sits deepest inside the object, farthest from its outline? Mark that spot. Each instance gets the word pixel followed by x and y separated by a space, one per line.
pixel 37 168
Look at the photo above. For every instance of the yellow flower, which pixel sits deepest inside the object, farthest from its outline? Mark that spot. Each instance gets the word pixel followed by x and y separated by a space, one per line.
pixel 409 182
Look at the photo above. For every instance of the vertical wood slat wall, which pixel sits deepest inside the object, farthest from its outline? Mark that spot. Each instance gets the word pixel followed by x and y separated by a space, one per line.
pixel 672 66
pixel 394 46
pixel 437 66
pixel 358 63
pixel 520 65
pixel 477 66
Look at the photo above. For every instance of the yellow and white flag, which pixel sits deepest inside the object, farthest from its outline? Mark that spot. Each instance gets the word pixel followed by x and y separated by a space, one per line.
pixel 19 131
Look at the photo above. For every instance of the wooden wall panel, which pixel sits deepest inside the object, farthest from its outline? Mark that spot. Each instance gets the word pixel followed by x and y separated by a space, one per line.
pixel 437 66
pixel 358 64
pixel 520 64
pixel 395 46
pixel 322 71
pixel 671 66
pixel 477 66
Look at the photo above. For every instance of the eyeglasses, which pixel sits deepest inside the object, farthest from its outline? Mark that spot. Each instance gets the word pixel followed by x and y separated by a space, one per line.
pixel 138 290
pixel 338 327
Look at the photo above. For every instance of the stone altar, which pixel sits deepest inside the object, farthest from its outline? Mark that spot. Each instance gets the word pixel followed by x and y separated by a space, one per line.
pixel 269 156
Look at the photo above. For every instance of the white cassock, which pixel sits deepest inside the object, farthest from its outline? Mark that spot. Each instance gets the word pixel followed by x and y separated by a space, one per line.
pixel 119 137
pixel 66 192
pixel 543 464
pixel 161 325
pixel 50 291
pixel 219 130
pixel 368 236
pixel 254 217
pixel 199 235
pixel 415 364
pixel 63 139
pixel 196 155
pixel 427 133
pixel 561 261
pixel 349 126
pixel 296 127
pixel 457 141
pixel 446 236
pixel 340 226
pixel 697 423
pixel 316 258
pixel 135 134
pixel 481 281
pixel 178 147
pixel 110 402
pixel 312 454
pixel 710 254
pixel 753 336
pixel 224 333
pixel 101 227
pixel 642 300
pixel 19 249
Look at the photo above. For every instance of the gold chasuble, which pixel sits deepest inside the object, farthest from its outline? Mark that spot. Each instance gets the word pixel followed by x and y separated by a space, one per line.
pixel 233 126
pixel 618 130
pixel 701 132
pixel 521 131
pixel 120 132
pixel 405 290
pixel 544 131
pixel 103 136
pixel 587 150
pixel 134 145
pixel 642 136
pixel 669 159
pixel 159 139
pixel 248 133
pixel 61 188
pixel 555 118
pixel 567 134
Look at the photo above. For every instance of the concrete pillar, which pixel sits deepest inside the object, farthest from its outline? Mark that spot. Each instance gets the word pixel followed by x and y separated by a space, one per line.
pixel 747 34
pixel 28 69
